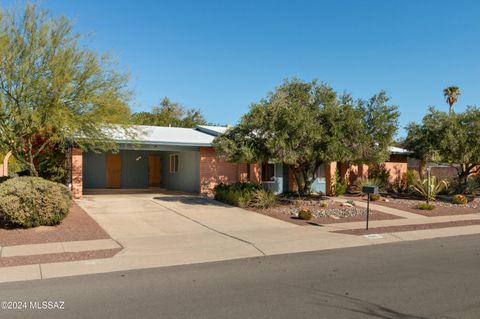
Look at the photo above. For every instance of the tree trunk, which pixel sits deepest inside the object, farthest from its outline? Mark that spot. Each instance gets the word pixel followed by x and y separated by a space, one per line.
pixel 305 176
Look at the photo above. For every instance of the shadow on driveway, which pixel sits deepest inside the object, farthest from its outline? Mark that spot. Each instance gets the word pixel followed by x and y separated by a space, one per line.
pixel 192 200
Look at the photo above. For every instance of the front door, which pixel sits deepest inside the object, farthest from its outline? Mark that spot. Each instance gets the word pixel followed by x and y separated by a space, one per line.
pixel 114 171
pixel 154 171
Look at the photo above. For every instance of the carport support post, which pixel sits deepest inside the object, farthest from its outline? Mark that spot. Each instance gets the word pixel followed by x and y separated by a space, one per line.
pixel 368 208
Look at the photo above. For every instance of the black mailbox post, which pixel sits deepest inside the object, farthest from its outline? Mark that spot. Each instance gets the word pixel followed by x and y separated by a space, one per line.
pixel 369 189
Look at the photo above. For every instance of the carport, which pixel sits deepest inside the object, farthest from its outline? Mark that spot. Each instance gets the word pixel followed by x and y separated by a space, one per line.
pixel 160 157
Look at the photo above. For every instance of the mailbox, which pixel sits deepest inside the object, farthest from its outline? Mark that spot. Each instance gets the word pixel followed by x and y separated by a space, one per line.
pixel 370 189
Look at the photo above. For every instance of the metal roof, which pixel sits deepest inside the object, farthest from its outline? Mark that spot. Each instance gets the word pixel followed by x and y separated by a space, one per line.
pixel 201 135
pixel 161 135
pixel 398 150
pixel 213 130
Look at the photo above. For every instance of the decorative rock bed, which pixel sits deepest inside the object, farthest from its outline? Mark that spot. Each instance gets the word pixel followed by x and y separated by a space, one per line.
pixel 472 204
pixel 319 212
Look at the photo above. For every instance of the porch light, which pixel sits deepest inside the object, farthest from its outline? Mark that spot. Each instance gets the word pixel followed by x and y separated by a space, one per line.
pixel 138 158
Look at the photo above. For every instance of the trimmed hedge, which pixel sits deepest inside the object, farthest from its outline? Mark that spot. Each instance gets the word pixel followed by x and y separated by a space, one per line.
pixel 33 201
pixel 237 194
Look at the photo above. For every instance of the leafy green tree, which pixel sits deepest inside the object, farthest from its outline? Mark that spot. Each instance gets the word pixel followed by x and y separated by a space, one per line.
pixel 305 124
pixel 449 138
pixel 52 90
pixel 170 114
pixel 451 95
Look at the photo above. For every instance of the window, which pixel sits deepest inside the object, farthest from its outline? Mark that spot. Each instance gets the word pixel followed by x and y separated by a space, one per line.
pixel 174 163
pixel 268 172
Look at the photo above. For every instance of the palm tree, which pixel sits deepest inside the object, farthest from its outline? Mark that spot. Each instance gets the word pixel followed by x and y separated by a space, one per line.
pixel 451 95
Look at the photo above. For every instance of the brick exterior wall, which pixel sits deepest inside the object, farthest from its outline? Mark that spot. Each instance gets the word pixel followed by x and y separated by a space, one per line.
pixel 214 171
pixel 77 173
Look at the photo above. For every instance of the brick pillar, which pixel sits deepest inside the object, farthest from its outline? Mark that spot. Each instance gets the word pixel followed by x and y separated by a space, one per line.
pixel 330 172
pixel 256 173
pixel 362 171
pixel 77 173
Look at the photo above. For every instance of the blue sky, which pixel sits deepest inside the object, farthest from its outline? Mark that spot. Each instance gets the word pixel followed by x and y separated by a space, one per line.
pixel 221 56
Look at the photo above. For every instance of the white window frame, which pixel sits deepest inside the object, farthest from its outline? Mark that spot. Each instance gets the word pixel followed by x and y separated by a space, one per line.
pixel 274 174
pixel 172 168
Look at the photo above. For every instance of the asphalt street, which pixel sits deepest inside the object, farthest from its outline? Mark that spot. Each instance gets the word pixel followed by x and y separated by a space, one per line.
pixel 437 278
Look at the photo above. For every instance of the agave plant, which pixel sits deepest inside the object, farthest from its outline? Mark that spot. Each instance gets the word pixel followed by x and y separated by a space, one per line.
pixel 436 187
pixel 365 181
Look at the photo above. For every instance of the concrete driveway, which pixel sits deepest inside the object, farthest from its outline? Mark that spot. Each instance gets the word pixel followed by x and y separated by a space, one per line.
pixel 171 229
pixel 168 229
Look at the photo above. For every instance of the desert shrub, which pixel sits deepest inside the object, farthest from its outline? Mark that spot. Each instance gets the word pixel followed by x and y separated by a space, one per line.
pixel 305 215
pixel 237 194
pixel 379 173
pixel 425 206
pixel 473 185
pixel 436 187
pixel 410 177
pixel 374 197
pixel 263 199
pixel 459 200
pixel 351 202
pixel 365 181
pixel 341 185
pixel 33 201
pixel 324 204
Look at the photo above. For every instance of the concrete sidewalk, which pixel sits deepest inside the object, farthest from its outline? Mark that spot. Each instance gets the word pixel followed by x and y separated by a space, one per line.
pixel 167 230
pixel 58 247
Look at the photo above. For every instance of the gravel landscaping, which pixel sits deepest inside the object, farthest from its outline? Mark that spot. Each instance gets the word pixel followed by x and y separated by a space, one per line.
pixel 335 212
pixel 442 208
pixel 403 228
pixel 78 225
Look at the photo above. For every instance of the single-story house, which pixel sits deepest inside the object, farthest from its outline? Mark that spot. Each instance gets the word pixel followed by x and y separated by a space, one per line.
pixel 183 159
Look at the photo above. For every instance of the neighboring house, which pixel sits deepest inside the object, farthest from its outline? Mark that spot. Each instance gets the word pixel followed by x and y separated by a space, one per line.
pixel 440 171
pixel 183 159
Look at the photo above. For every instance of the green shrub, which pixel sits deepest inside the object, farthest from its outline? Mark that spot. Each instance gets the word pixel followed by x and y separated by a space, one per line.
pixel 341 185
pixel 473 185
pixel 32 201
pixel 425 206
pixel 351 202
pixel 237 194
pixel 459 200
pixel 263 199
pixel 410 177
pixel 305 215
pixel 380 173
pixel 374 197
pixel 436 187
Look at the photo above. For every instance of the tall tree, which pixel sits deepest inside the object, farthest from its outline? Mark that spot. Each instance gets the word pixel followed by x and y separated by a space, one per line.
pixel 52 90
pixel 305 124
pixel 169 113
pixel 451 95
pixel 449 138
